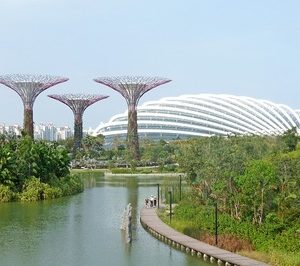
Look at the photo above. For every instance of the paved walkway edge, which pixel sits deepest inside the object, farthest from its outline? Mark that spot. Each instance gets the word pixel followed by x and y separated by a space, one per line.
pixel 154 225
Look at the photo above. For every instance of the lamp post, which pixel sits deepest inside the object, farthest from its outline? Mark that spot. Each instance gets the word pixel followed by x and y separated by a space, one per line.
pixel 170 192
pixel 216 223
pixel 180 180
pixel 157 196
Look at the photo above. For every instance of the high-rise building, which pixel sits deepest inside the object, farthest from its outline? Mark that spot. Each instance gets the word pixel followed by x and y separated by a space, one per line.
pixel 42 131
pixel 51 132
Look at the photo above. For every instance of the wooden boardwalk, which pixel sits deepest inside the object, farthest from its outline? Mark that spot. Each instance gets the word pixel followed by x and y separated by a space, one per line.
pixel 160 230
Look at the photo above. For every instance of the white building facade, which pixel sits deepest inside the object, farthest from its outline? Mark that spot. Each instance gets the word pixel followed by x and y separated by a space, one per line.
pixel 51 132
pixel 204 115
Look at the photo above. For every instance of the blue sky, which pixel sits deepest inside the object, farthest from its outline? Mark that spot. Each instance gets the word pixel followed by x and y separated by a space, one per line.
pixel 249 48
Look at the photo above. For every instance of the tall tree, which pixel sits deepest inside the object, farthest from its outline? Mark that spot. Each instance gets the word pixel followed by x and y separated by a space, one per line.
pixel 290 138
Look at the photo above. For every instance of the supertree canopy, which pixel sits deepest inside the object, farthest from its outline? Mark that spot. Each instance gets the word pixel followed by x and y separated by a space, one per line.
pixel 78 103
pixel 132 88
pixel 29 87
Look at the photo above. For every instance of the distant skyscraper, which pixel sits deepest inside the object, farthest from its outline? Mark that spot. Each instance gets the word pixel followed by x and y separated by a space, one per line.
pixel 64 132
pixel 11 129
pixel 51 132
pixel 42 131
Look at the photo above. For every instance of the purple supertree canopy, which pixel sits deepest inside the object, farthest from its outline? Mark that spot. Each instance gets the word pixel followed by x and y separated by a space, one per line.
pixel 78 102
pixel 30 86
pixel 132 88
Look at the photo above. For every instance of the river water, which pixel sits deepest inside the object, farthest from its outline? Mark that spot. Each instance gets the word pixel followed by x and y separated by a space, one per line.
pixel 84 230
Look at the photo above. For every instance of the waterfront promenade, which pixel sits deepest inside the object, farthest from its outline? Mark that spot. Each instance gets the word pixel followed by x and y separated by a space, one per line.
pixel 152 223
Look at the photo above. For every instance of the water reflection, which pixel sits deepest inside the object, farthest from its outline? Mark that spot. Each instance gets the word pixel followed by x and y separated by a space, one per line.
pixel 84 229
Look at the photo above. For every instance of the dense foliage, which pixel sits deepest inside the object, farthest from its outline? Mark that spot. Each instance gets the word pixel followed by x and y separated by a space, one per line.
pixel 275 243
pixel 94 155
pixel 32 170
pixel 249 177
pixel 256 183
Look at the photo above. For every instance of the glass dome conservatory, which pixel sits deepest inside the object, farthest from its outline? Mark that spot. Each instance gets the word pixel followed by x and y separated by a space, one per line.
pixel 203 115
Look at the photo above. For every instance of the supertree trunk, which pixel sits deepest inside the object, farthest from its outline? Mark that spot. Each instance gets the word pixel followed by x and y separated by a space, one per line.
pixel 77 131
pixel 28 122
pixel 132 135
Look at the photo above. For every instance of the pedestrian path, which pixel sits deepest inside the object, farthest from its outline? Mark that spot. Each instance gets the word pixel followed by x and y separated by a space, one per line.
pixel 152 223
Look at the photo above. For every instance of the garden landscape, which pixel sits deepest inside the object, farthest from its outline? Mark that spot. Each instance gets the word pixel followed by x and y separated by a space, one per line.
pixel 166 133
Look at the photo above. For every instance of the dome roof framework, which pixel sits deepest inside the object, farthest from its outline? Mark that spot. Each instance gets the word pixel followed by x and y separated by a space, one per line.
pixel 205 115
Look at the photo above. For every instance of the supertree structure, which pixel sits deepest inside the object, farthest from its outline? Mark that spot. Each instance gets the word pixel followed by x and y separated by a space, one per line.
pixel 29 87
pixel 132 88
pixel 78 103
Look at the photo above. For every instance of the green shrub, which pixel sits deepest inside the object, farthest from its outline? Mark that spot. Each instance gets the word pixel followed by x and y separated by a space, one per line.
pixel 6 194
pixel 52 192
pixel 288 240
pixel 146 171
pixel 71 184
pixel 272 238
pixel 33 190
pixel 170 168
pixel 284 258
pixel 121 170
pixel 88 172
pixel 75 184
pixel 22 158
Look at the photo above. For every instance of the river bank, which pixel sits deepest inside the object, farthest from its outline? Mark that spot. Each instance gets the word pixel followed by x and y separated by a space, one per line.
pixel 257 242
pixel 162 231
pixel 141 174
pixel 109 173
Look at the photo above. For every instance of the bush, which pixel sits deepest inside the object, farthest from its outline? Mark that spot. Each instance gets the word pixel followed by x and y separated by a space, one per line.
pixel 23 158
pixel 228 242
pixel 288 240
pixel 35 170
pixel 75 184
pixel 6 194
pixel 170 168
pixel 146 171
pixel 52 192
pixel 121 170
pixel 71 184
pixel 33 190
pixel 272 238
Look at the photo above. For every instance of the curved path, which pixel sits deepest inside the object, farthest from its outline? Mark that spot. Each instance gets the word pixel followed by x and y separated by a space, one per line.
pixel 156 227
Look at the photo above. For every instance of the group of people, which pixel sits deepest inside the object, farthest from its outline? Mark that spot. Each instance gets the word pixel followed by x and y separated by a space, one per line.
pixel 150 202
